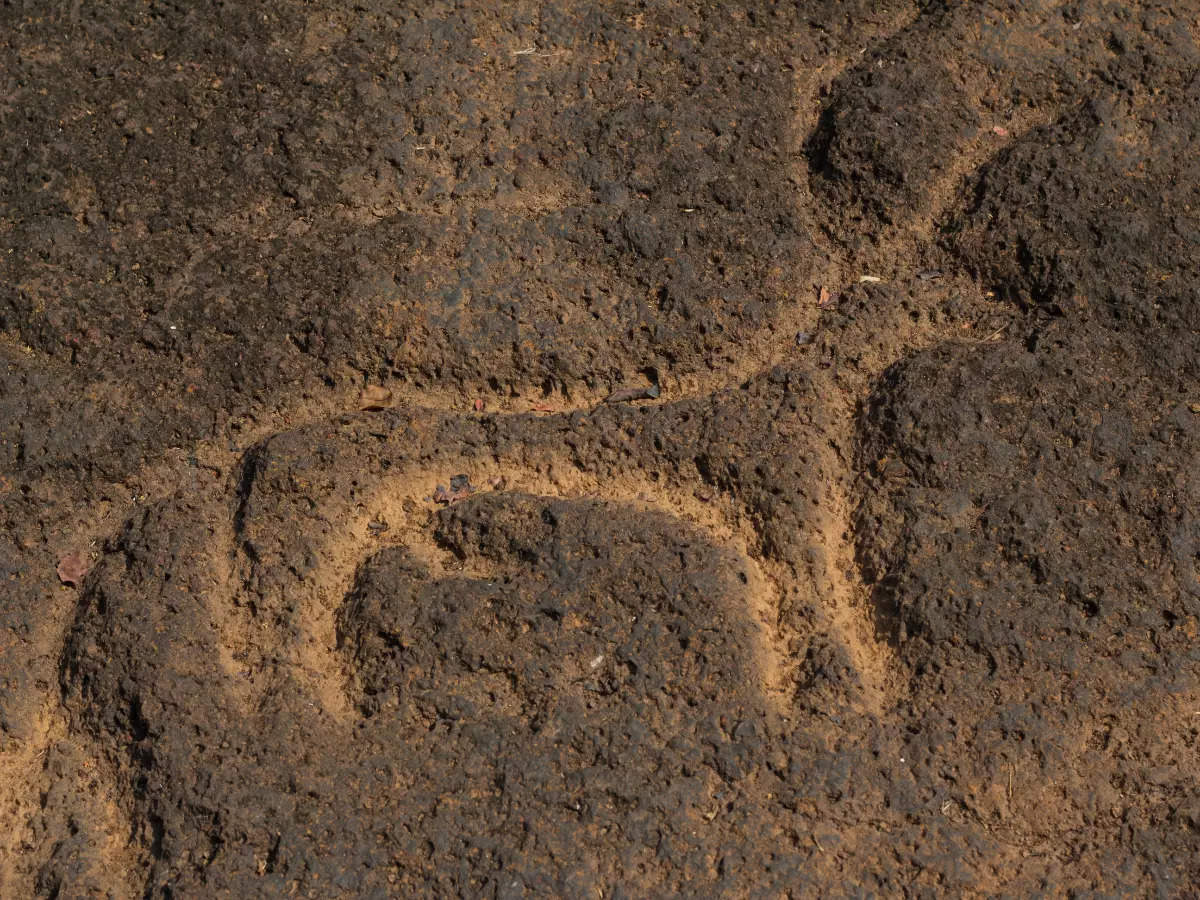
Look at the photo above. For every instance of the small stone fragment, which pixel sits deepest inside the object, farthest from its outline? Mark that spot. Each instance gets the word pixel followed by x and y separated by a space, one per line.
pixel 651 391
pixel 73 568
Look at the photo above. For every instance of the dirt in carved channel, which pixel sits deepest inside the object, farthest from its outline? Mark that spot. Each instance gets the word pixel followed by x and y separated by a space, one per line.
pixel 779 477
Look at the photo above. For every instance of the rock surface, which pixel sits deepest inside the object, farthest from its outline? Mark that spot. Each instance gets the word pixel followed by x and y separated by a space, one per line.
pixel 910 605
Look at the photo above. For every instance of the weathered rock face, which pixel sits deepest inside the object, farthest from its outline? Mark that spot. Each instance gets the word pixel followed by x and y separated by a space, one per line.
pixel 560 688
pixel 1032 549
pixel 891 585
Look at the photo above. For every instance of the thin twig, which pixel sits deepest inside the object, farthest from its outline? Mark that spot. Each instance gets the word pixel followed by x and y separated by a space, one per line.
pixel 995 334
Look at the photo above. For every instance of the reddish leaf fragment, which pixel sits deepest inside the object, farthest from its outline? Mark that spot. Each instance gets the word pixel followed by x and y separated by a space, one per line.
pixel 73 568
pixel 478 404
pixel 460 489
pixel 441 495
pixel 998 130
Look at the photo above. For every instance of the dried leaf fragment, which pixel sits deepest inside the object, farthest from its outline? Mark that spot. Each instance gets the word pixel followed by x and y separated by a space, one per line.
pixel 374 397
